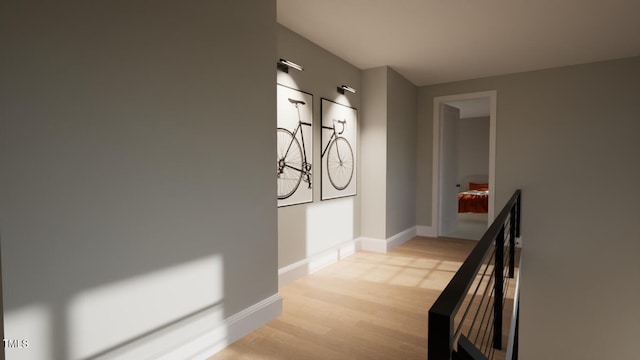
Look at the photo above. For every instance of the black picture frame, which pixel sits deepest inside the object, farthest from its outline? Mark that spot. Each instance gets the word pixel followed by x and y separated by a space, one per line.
pixel 338 149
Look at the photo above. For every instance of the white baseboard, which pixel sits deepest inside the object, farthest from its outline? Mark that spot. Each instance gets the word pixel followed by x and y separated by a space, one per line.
pixel 304 267
pixel 401 238
pixel 372 244
pixel 237 326
pixel 199 336
pixel 385 245
pixel 428 231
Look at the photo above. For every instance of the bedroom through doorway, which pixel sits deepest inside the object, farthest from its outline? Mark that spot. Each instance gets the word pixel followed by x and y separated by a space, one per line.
pixel 465 168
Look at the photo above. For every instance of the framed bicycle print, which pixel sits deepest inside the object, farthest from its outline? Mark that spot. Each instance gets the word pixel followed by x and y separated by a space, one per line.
pixel 294 146
pixel 339 150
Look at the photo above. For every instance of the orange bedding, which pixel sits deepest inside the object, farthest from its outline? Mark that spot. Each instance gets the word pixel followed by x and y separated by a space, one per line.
pixel 473 202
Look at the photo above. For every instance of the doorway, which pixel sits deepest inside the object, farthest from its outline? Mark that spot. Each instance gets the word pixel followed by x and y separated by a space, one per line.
pixel 447 183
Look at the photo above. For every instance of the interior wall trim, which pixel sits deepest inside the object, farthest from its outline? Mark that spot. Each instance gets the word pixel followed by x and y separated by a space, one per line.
pixel 385 245
pixel 304 267
pixel 199 336
pixel 401 237
pixel 232 329
pixel 311 264
pixel 428 231
pixel 373 244
pixel 492 95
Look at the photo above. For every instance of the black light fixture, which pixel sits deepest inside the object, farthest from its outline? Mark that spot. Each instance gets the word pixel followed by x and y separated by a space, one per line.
pixel 284 65
pixel 343 88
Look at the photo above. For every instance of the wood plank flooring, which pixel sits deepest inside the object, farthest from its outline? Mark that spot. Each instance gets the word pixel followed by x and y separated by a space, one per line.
pixel 367 306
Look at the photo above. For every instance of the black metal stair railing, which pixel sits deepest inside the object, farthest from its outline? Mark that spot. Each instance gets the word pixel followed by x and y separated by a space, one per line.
pixel 466 321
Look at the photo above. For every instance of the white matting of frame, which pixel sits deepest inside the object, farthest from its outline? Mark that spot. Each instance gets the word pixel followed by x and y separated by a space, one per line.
pixel 339 150
pixel 294 146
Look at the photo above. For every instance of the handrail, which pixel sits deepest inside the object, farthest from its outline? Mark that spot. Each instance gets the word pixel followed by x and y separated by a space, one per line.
pixel 442 313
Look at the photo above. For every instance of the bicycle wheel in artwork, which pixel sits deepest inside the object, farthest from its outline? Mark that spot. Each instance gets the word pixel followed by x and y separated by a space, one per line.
pixel 338 144
pixel 294 154
pixel 289 163
pixel 339 159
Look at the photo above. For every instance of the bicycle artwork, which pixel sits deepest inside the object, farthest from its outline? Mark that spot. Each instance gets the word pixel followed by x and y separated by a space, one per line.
pixel 338 138
pixel 294 147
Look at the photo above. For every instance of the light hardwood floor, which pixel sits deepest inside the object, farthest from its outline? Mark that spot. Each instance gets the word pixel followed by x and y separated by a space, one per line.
pixel 366 306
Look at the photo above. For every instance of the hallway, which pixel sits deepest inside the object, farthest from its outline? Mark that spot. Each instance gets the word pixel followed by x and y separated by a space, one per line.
pixel 367 306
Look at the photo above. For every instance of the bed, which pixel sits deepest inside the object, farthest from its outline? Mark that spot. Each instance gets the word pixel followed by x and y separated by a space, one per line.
pixel 475 199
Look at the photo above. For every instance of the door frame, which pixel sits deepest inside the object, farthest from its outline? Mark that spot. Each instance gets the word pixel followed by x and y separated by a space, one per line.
pixel 492 95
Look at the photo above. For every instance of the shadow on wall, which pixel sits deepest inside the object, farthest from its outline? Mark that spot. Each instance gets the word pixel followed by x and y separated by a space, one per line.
pixel 330 223
pixel 308 230
pixel 74 316
pixel 125 190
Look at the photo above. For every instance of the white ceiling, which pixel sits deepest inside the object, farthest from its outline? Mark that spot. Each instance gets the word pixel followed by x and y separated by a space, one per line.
pixel 436 41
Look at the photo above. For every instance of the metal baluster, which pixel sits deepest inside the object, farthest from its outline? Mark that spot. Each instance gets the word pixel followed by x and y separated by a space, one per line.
pixel 499 283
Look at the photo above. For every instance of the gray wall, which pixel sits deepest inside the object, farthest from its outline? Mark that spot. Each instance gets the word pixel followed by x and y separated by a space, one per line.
pixel 374 153
pixel 136 141
pixel 568 137
pixel 401 153
pixel 473 149
pixel 309 229
pixel 389 153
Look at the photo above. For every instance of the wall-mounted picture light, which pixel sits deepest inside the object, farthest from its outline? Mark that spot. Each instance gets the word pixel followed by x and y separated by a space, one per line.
pixel 343 88
pixel 284 65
